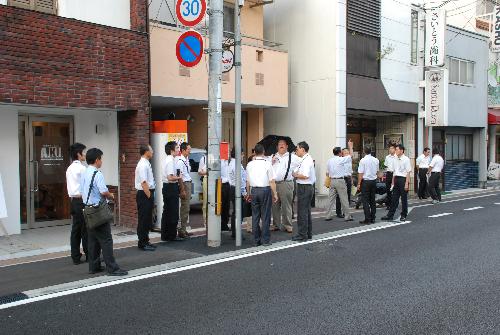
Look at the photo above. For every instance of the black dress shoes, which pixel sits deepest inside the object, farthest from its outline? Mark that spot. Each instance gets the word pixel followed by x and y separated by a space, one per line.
pixel 387 218
pixel 147 248
pixel 98 270
pixel 77 262
pixel 340 216
pixel 298 239
pixel 402 218
pixel 365 222
pixel 176 239
pixel 118 272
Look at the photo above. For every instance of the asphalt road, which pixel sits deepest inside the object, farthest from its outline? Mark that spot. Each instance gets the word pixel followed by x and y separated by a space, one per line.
pixel 435 275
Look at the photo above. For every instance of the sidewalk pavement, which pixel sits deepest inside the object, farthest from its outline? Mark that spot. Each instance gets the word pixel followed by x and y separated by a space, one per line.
pixel 53 242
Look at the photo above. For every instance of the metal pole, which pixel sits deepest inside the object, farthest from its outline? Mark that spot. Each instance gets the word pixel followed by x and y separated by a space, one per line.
pixel 214 118
pixel 237 119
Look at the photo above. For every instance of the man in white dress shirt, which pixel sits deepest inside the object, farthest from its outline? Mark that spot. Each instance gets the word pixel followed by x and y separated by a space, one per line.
pixel 436 166
pixel 170 191
pixel 185 194
pixel 145 186
pixel 367 184
pixel 73 180
pixel 284 163
pixel 243 190
pixel 422 163
pixel 400 184
pixel 305 175
pixel 389 164
pixel 336 171
pixel 225 195
pixel 262 188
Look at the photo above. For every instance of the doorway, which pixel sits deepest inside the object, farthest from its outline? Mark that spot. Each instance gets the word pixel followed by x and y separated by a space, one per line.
pixel 44 143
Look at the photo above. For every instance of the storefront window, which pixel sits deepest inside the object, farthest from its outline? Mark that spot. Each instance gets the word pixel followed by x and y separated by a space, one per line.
pixel 459 147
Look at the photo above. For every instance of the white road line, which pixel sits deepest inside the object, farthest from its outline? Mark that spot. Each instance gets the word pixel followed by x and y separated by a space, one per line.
pixel 450 201
pixel 497 203
pixel 165 269
pixel 473 208
pixel 439 215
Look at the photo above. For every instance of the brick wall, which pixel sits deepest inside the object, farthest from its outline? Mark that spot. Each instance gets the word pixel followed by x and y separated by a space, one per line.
pixel 48 60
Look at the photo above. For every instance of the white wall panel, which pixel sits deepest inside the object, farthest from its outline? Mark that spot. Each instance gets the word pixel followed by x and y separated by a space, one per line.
pixel 113 13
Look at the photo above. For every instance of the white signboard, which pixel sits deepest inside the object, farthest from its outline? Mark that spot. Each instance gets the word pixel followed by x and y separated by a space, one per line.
pixel 435 26
pixel 227 60
pixel 495 32
pixel 436 98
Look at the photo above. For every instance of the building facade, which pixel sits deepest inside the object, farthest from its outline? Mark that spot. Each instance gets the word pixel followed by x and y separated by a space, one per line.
pixel 181 93
pixel 70 71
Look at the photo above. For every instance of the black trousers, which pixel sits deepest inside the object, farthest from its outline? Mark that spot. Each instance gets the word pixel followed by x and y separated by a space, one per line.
pixel 233 213
pixel 78 230
pixel 434 190
pixel 422 184
pixel 399 192
pixel 170 215
pixel 145 216
pixel 262 204
pixel 338 205
pixel 225 205
pixel 388 183
pixel 305 194
pixel 100 238
pixel 368 190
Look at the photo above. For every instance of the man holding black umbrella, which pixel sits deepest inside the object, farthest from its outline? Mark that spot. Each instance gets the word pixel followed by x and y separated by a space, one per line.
pixel 284 164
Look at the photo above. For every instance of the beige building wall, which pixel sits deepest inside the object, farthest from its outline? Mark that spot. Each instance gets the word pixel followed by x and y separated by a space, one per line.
pixel 168 79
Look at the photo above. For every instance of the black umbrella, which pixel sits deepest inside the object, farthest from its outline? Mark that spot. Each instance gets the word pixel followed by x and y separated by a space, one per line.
pixel 270 143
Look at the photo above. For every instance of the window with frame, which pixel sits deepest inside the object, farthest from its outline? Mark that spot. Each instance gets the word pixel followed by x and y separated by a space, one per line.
pixel 459 147
pixel 44 6
pixel 461 71
pixel 414 37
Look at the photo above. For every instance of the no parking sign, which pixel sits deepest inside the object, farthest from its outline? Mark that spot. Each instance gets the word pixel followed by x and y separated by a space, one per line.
pixel 189 48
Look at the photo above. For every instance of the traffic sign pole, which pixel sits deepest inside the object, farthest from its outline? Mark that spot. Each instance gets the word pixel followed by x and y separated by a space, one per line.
pixel 237 121
pixel 214 118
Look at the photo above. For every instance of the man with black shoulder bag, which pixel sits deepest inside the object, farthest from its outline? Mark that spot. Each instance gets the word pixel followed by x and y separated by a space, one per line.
pixel 98 216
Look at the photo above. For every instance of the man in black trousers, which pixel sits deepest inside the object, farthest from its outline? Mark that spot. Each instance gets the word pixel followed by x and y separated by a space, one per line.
pixel 400 184
pixel 145 186
pixel 422 163
pixel 367 184
pixel 170 191
pixel 389 164
pixel 73 179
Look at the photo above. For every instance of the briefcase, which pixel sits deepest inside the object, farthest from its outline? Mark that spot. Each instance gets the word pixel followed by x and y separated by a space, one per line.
pixel 97 215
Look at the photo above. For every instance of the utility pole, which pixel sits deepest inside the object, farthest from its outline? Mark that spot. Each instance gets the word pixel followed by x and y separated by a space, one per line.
pixel 237 117
pixel 214 118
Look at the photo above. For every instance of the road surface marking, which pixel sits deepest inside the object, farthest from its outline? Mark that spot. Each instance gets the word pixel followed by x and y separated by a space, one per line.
pixel 450 201
pixel 440 215
pixel 473 208
pixel 497 203
pixel 85 285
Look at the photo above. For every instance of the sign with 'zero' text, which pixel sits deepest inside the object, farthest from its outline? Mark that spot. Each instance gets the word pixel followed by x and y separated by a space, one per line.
pixel 436 98
pixel 190 12
pixel 435 26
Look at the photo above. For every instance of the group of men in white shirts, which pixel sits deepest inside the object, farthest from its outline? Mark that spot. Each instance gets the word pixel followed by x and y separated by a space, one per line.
pixel 429 175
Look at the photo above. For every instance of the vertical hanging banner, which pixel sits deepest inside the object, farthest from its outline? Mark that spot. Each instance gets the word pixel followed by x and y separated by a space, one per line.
pixel 495 31
pixel 435 26
pixel 436 98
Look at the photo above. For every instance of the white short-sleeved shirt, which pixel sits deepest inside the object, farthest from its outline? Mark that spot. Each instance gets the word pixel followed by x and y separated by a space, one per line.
pixel 202 167
pixel 232 176
pixel 169 169
pixel 74 177
pixel 224 176
pixel 389 162
pixel 437 163
pixel 336 166
pixel 306 168
pixel 260 172
pixel 185 167
pixel 402 166
pixel 423 161
pixel 281 165
pixel 348 167
pixel 368 166
pixel 144 173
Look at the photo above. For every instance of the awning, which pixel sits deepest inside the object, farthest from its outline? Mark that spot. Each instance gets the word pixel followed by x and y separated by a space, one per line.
pixel 493 116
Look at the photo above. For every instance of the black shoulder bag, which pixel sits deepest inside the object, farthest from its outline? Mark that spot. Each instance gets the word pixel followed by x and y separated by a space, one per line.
pixel 96 215
pixel 288 168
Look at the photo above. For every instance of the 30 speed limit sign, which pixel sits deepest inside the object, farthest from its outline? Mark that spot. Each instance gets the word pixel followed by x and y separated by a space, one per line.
pixel 191 12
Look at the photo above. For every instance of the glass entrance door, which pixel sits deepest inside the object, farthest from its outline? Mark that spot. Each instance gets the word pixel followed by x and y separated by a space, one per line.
pixel 44 158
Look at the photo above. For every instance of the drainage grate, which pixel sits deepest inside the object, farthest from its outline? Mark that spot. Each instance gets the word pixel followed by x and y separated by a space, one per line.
pixel 12 298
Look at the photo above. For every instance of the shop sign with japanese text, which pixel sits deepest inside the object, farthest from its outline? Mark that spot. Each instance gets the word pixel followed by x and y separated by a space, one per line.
pixel 435 26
